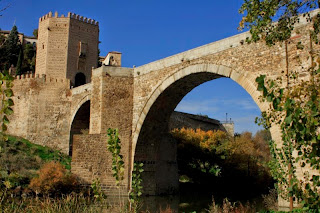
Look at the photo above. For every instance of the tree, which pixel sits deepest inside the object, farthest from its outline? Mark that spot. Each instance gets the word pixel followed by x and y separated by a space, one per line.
pixel 6 110
pixel 12 52
pixel 35 33
pixel 295 107
pixel 260 17
pixel 2 52
pixel 11 48
pixel 19 62
pixel 29 58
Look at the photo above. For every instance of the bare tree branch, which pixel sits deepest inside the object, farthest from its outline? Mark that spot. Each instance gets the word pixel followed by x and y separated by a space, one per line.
pixel 4 8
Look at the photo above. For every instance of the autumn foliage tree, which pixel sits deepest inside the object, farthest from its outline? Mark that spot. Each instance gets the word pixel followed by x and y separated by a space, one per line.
pixel 215 155
pixel 53 179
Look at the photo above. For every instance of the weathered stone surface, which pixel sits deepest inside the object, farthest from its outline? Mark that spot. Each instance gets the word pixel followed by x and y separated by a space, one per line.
pixel 137 101
pixel 91 161
pixel 66 46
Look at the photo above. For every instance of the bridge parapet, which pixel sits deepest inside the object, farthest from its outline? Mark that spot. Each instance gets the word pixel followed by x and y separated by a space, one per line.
pixel 192 54
pixel 113 71
pixel 82 89
pixel 208 49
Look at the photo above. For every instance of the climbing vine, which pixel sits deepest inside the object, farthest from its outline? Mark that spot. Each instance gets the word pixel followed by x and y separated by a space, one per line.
pixel 297 112
pixel 6 102
pixel 5 111
pixel 136 185
pixel 98 194
pixel 294 104
pixel 117 167
pixel 114 147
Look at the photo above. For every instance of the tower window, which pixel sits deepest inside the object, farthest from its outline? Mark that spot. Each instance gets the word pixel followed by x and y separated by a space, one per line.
pixel 82 49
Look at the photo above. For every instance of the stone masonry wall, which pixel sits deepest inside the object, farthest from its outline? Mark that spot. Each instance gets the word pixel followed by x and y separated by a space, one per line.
pixel 86 31
pixel 52 46
pixel 231 57
pixel 229 127
pixel 137 101
pixel 111 106
pixel 91 160
pixel 42 111
pixel 41 62
pixel 66 46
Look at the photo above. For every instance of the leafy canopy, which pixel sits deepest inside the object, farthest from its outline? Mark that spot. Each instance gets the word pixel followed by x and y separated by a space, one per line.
pixel 260 17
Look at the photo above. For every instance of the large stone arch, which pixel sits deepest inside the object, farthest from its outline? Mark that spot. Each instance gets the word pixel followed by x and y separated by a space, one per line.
pixel 150 133
pixel 244 79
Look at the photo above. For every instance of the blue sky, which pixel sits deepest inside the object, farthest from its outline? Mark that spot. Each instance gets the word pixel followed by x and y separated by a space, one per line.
pixel 147 30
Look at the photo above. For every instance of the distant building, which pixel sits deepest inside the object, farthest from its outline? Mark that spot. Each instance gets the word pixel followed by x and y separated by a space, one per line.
pixel 112 59
pixel 23 38
pixel 180 119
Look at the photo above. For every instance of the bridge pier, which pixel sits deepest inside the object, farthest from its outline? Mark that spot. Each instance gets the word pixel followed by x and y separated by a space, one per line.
pixel 110 107
pixel 158 153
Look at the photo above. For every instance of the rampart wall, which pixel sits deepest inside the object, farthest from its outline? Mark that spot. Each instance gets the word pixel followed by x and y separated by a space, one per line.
pixel 41 110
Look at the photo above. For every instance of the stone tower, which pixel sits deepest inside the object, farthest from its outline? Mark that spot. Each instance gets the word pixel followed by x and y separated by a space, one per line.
pixel 67 47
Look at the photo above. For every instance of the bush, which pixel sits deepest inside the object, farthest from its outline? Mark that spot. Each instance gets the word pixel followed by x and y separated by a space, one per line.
pixel 270 200
pixel 53 179
pixel 230 207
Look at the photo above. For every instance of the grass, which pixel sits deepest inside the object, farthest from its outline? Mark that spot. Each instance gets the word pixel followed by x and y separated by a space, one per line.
pixel 20 160
pixel 46 154
pixel 69 203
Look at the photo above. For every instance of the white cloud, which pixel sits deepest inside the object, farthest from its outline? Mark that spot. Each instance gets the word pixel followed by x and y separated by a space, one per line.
pixel 246 104
pixel 246 123
pixel 215 105
pixel 196 107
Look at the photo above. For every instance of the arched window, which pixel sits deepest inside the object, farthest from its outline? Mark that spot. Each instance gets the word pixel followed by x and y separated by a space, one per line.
pixel 80 79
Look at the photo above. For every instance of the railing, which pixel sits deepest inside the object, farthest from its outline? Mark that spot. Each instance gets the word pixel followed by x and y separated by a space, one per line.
pixel 227 122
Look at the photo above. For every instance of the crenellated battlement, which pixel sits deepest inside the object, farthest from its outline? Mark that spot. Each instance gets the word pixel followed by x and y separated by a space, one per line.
pixel 70 15
pixel 83 19
pixel 30 76
pixel 79 34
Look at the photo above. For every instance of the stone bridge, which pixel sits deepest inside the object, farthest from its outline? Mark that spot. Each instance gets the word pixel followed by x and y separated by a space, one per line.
pixel 139 101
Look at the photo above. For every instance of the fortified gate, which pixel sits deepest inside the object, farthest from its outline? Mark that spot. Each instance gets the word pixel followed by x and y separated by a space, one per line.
pixel 69 104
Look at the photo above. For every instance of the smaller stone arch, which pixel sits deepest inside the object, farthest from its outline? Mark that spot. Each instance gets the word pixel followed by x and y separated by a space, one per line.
pixel 80 79
pixel 80 120
pixel 77 106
